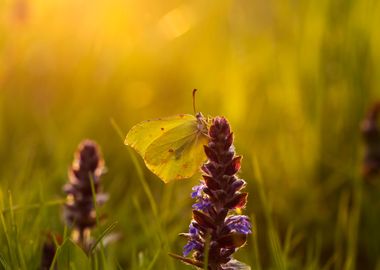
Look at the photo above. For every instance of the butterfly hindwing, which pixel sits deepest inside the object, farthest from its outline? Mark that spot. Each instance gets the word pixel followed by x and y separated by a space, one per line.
pixel 178 154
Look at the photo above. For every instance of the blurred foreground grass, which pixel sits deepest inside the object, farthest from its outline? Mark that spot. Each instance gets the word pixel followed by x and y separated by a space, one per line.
pixel 293 77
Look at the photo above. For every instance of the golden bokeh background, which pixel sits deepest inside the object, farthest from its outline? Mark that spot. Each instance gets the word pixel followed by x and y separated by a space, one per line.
pixel 294 78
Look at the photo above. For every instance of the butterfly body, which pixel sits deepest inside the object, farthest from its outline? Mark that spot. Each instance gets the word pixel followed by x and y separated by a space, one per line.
pixel 172 147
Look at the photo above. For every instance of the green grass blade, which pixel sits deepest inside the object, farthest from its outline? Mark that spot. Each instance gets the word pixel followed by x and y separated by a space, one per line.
pixel 273 238
pixel 139 170
pixel 146 189
pixel 152 263
pixel 102 255
pixel 256 260
pixel 33 206
pixel 109 229
pixel 3 263
pixel 6 233
pixel 14 233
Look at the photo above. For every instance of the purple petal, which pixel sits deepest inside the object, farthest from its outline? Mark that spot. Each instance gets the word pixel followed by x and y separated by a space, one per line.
pixel 202 204
pixel 190 246
pixel 192 230
pixel 239 223
pixel 197 190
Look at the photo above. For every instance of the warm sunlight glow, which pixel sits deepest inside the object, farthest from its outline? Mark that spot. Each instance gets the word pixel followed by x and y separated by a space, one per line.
pixel 176 22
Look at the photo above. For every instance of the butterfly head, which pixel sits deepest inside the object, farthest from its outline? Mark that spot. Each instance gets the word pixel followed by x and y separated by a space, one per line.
pixel 202 123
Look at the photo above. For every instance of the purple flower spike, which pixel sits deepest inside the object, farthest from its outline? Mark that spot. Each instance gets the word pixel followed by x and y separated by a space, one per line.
pixel 217 197
pixel 79 209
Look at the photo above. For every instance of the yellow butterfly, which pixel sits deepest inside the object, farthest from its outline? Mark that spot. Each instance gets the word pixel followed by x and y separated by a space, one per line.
pixel 172 147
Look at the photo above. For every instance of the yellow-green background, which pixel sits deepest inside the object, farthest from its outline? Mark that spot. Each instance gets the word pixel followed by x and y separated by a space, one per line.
pixel 294 78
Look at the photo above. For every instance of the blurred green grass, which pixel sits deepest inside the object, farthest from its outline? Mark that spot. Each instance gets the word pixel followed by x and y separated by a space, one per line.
pixel 294 78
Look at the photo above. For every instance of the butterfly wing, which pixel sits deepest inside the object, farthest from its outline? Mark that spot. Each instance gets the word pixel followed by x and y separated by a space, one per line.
pixel 172 147
pixel 178 153
pixel 143 134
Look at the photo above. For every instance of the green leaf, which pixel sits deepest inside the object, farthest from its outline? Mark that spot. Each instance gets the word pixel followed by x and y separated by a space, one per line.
pixel 71 256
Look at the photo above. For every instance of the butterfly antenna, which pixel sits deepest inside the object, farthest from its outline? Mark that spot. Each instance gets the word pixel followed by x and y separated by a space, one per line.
pixel 194 91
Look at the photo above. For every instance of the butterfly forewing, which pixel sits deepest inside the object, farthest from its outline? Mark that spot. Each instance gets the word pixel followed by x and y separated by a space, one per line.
pixel 143 134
